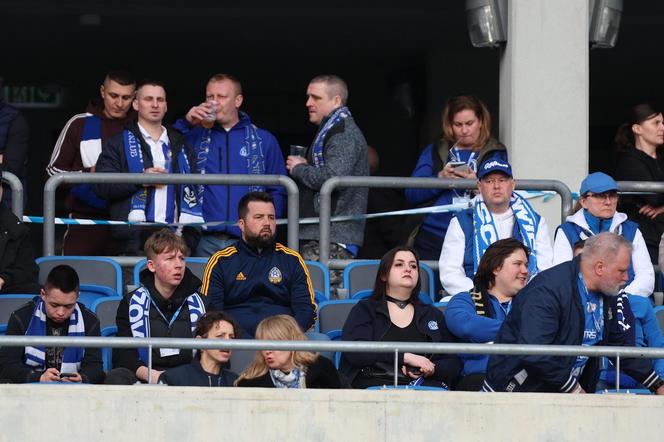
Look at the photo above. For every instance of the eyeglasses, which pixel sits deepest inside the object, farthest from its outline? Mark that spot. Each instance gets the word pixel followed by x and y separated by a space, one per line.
pixel 612 195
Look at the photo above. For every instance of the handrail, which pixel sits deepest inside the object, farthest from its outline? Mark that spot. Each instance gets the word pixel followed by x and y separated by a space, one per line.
pixel 17 192
pixel 421 183
pixel 641 186
pixel 146 178
pixel 345 346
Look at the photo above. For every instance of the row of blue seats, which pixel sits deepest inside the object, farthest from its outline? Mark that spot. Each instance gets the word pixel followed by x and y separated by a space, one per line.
pixel 358 276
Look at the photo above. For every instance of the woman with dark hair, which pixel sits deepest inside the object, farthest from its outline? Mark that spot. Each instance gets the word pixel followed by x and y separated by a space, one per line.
pixel 640 159
pixel 464 144
pixel 395 313
pixel 207 368
pixel 284 368
pixel 476 316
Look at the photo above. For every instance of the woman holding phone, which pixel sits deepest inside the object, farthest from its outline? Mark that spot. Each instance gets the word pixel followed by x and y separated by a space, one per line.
pixel 465 142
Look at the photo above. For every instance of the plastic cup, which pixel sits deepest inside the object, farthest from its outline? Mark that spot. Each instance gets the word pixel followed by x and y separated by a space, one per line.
pixel 298 151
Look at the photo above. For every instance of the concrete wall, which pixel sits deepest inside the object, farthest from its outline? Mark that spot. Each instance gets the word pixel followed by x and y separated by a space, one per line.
pixel 158 413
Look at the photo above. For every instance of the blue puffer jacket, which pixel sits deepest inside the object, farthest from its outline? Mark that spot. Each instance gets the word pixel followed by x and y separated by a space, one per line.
pixel 227 155
pixel 548 311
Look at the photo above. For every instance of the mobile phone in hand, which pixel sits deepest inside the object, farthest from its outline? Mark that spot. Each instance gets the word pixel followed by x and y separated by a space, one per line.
pixel 67 375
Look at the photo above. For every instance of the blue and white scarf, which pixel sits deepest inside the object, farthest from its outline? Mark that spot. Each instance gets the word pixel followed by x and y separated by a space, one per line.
pixel 486 232
pixel 252 150
pixel 36 356
pixel 334 118
pixel 295 379
pixel 139 315
pixel 142 206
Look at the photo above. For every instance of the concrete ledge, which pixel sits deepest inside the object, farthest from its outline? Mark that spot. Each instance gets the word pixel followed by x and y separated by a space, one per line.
pixel 159 413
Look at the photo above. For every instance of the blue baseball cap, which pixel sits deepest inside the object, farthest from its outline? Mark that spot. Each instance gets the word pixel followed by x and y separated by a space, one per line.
pixel 494 165
pixel 598 182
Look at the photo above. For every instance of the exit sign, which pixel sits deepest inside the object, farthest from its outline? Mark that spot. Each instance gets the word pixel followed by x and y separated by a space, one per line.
pixel 32 97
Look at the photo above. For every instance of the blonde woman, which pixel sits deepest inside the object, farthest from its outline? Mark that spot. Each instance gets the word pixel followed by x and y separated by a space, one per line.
pixel 283 368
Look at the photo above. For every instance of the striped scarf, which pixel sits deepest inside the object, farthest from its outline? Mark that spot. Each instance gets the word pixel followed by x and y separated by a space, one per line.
pixel 139 315
pixel 146 204
pixel 486 233
pixel 36 356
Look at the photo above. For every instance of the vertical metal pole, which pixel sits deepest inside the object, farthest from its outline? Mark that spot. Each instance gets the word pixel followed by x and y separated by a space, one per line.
pixel 618 372
pixel 396 366
pixel 149 364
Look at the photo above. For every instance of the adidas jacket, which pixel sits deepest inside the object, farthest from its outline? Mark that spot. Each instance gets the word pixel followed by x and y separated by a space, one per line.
pixel 251 286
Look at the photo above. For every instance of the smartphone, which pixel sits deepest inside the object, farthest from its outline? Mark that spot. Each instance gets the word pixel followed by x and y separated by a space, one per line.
pixel 413 370
pixel 456 164
pixel 67 375
pixel 460 166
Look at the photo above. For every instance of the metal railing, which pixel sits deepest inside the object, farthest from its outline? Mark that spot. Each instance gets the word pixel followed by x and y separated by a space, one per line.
pixel 641 186
pixel 144 178
pixel 17 192
pixel 342 346
pixel 420 183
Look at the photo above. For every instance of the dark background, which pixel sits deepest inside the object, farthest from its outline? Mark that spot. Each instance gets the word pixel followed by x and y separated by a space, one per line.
pixel 385 50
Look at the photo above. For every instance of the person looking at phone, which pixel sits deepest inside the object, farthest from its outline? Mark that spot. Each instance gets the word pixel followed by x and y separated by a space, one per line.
pixel 497 212
pixel 226 142
pixel 464 143
pixel 395 313
pixel 55 312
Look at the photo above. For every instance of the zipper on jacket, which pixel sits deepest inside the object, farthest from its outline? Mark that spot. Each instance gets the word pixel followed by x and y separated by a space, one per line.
pixel 228 170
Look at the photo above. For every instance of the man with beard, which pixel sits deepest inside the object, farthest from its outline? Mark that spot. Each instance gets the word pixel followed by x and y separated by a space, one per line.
pixel 258 277
pixel 578 302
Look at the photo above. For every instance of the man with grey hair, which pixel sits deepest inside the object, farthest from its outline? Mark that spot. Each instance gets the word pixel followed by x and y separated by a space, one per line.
pixel 339 149
pixel 578 302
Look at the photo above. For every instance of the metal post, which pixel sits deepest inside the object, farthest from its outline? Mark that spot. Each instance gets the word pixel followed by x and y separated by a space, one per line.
pixel 325 212
pixel 17 193
pixel 396 366
pixel 140 178
pixel 149 364
pixel 618 372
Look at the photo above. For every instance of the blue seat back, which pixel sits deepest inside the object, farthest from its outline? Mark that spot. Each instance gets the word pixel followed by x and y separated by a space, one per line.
pixel 93 270
pixel 107 352
pixel 361 275
pixel 196 265
pixel 320 278
pixel 106 309
pixel 332 314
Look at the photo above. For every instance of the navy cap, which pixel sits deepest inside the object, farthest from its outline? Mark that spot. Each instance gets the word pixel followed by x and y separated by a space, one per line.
pixel 598 182
pixel 494 165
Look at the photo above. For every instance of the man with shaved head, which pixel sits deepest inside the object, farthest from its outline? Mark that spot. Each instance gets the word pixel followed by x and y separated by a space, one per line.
pixel 578 302
pixel 339 149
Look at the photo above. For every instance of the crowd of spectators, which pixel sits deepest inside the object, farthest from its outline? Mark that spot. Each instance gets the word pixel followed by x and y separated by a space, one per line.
pixel 505 279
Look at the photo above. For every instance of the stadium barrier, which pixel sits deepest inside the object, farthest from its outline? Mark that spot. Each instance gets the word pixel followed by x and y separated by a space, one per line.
pixel 342 346
pixel 141 178
pixel 331 184
pixel 17 192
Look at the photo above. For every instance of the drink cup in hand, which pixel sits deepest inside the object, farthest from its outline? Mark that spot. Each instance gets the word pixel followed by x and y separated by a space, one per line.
pixel 210 118
pixel 298 151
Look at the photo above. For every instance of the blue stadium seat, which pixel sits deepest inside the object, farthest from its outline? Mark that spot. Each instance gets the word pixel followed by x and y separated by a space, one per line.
pixel 106 309
pixel 659 313
pixel 89 294
pixel 8 304
pixel 196 265
pixel 107 352
pixel 361 275
pixel 92 270
pixel 332 314
pixel 320 277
